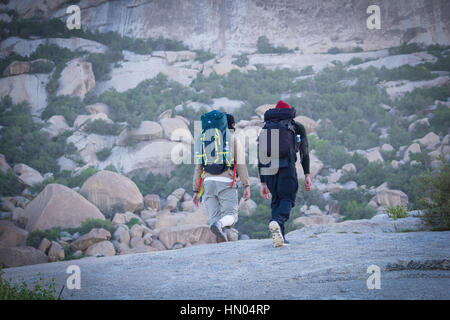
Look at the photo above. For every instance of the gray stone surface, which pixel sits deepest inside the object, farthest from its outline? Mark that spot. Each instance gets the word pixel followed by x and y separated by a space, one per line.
pixel 414 265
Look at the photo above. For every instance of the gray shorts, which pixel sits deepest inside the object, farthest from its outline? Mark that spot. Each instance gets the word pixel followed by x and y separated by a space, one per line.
pixel 220 200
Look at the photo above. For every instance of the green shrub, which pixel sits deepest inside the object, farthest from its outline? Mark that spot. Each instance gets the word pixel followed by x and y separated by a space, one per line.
pixel 69 107
pixel 435 199
pixel 312 197
pixel 353 210
pixel 110 168
pixel 132 222
pixel 358 195
pixel 440 122
pixel 163 185
pixel 40 290
pixel 22 141
pixel 78 180
pixel 405 72
pixel 357 49
pixel 35 237
pixel 396 212
pixel 398 136
pixel 334 50
pixel 241 60
pixel 405 48
pixel 202 55
pixel 102 62
pixel 373 174
pixel 9 185
pixel 101 127
pixel 306 71
pixel 103 154
pixel 264 46
pixel 42 66
pixel 414 101
pixel 91 223
pixel 65 178
pixel 355 61
pixel 331 154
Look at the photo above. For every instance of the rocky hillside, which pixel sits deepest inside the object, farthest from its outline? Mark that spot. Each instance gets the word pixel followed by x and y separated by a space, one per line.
pixel 234 26
pixel 90 123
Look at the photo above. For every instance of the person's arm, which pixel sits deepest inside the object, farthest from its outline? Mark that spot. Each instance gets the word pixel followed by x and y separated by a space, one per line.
pixel 196 179
pixel 241 167
pixel 195 182
pixel 304 153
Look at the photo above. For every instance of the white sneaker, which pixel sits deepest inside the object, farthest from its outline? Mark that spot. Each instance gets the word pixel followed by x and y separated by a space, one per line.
pixel 277 237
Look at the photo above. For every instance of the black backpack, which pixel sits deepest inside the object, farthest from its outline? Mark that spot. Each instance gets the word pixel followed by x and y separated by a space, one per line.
pixel 283 120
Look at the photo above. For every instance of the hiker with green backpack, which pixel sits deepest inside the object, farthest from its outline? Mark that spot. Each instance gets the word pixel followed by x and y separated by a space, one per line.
pixel 220 159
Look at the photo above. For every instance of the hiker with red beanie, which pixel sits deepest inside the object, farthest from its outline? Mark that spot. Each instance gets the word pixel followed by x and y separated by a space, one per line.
pixel 280 155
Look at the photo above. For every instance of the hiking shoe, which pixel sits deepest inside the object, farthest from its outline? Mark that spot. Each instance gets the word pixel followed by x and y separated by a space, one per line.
pixel 286 243
pixel 277 237
pixel 216 228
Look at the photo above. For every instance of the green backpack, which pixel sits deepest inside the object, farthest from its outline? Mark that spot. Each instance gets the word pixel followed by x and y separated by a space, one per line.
pixel 213 146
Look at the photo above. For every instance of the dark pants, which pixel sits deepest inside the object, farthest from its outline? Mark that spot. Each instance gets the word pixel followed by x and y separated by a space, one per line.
pixel 283 186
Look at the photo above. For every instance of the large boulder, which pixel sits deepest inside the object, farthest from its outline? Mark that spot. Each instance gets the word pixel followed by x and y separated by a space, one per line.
pixel 4 166
pixel 59 206
pixel 148 130
pixel 122 235
pixel 263 108
pixel 88 145
pixel 173 199
pixel 185 234
pixel 152 201
pixel 55 126
pixel 419 123
pixel 26 87
pixel 315 165
pixel 82 119
pixel 247 207
pixel 387 197
pixel 87 240
pixel 175 129
pixel 229 106
pixel 374 155
pixel 110 191
pixel 27 175
pixel 309 124
pixel 56 252
pixel 76 79
pixel 11 235
pixel 21 256
pixel 101 249
pixel 98 107
pixel 17 67
pixel 430 141
pixel 157 157
pixel 136 68
pixel 414 148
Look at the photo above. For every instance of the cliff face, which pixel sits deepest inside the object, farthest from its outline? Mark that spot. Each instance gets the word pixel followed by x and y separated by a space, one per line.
pixel 235 25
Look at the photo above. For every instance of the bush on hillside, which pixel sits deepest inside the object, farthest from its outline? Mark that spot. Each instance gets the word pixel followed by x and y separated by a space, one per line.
pixel 435 200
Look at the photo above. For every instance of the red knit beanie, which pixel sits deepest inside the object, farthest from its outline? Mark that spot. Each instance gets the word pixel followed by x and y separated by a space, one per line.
pixel 282 105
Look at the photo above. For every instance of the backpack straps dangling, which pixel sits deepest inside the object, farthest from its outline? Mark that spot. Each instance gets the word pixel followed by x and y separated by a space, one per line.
pixel 234 175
